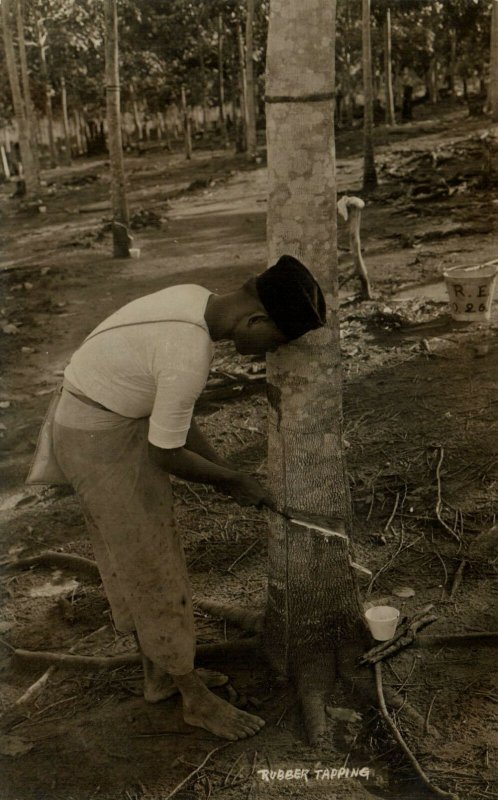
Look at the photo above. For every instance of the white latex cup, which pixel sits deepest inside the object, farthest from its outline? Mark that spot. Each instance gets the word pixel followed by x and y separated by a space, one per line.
pixel 134 252
pixel 382 621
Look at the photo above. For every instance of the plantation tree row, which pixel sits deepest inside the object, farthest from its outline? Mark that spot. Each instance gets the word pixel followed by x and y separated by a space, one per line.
pixel 212 53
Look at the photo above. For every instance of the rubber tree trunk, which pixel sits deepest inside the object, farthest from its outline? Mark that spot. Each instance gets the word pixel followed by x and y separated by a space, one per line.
pixel 243 86
pixel 221 84
pixel 313 623
pixel 120 221
pixel 388 70
pixel 26 90
pixel 251 105
pixel 65 120
pixel 369 172
pixel 493 72
pixel 5 163
pixel 348 84
pixel 453 61
pixel 30 174
pixel 136 115
pixel 202 67
pixel 186 125
pixel 432 80
pixel 238 122
pixel 42 38
pixel 77 132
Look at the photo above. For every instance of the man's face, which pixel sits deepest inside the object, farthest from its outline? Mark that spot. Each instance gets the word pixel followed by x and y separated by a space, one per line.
pixel 257 335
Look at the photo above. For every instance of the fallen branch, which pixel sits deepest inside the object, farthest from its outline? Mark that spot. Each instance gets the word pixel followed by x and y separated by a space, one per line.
pixel 37 687
pixel 397 735
pixel 51 558
pixel 429 640
pixel 406 636
pixel 204 653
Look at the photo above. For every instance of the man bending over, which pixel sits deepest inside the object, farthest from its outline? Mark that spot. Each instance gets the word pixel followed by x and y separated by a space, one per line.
pixel 124 423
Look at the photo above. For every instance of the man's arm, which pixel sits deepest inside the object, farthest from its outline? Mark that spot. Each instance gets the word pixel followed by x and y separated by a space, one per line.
pixel 198 443
pixel 190 466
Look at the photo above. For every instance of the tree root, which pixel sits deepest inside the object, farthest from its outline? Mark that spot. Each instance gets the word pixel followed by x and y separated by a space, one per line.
pixel 245 618
pixel 397 735
pixel 204 654
pixel 52 558
pixel 314 681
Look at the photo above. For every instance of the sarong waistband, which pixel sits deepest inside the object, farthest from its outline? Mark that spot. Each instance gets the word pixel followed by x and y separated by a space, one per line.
pixel 84 399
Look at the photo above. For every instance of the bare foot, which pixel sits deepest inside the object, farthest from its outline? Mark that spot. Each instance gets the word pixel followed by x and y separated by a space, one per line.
pixel 204 710
pixel 158 684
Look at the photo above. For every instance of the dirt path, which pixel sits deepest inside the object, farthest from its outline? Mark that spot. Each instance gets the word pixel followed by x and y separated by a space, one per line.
pixel 421 431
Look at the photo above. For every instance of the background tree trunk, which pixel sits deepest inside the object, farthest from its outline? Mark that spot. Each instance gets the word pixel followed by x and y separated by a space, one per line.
pixel 5 163
pixel 42 38
pixel 136 115
pixel 186 125
pixel 348 84
pixel 313 621
pixel 29 108
pixel 388 70
pixel 251 108
pixel 369 173
pixel 221 84
pixel 453 62
pixel 30 175
pixel 432 83
pixel 65 121
pixel 77 132
pixel 120 222
pixel 493 71
pixel 243 87
pixel 203 84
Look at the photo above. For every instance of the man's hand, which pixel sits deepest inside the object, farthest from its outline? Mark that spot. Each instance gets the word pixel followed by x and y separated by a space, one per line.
pixel 246 491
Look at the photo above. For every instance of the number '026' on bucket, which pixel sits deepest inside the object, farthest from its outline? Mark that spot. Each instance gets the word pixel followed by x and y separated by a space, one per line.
pixel 471 290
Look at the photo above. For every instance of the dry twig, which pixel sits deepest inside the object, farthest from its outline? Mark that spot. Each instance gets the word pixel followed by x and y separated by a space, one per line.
pixel 393 512
pixel 397 735
pixel 457 579
pixel 405 636
pixel 439 504
pixel 243 555
pixel 195 771
pixel 428 715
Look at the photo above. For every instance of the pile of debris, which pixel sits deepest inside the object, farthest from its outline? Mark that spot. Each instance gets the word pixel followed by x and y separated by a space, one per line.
pixel 469 163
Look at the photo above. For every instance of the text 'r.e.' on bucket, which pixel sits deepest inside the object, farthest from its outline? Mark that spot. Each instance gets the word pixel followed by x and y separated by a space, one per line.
pixel 471 291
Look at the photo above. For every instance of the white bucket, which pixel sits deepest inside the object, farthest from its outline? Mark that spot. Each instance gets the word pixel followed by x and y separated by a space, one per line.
pixel 471 291
pixel 382 621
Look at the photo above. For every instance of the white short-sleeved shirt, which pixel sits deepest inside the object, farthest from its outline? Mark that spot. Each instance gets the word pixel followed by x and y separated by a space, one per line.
pixel 156 365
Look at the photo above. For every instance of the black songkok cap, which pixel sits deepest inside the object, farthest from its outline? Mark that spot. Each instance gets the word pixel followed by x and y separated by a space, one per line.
pixel 291 296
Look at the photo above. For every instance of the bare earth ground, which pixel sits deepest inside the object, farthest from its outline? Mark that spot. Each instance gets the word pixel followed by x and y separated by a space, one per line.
pixel 421 428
